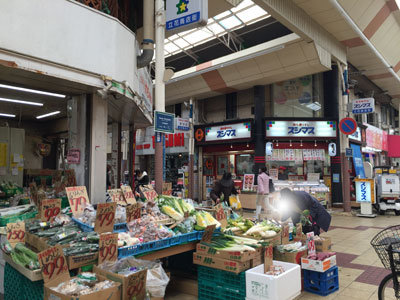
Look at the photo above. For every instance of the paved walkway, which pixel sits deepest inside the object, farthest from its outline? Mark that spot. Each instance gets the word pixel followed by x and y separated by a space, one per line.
pixel 360 270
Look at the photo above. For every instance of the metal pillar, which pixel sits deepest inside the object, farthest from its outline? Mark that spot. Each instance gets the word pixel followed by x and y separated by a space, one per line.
pixel 159 90
pixel 191 152
pixel 259 131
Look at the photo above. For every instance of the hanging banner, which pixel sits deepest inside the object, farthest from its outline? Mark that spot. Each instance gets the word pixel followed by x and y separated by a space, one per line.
pixel 358 161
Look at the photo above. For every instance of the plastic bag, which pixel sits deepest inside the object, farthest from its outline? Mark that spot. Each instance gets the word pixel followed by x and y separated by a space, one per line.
pixel 234 202
pixel 157 281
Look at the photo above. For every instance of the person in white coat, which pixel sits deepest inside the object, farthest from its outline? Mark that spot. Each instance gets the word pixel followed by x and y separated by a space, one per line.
pixel 262 190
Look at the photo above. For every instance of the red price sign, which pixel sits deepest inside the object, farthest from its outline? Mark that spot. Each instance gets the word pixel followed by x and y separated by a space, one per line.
pixel 128 194
pixel 299 229
pixel 133 212
pixel 311 243
pixel 105 217
pixel 53 263
pixel 268 258
pixel 108 247
pixel 16 233
pixel 136 287
pixel 78 199
pixel 285 234
pixel 117 196
pixel 49 209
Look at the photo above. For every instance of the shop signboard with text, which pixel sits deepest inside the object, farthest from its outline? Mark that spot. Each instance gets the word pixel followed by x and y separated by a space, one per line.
pixel 186 14
pixel 365 190
pixel 164 122
pixel 223 133
pixel 356 136
pixel 376 138
pixel 301 129
pixel 363 106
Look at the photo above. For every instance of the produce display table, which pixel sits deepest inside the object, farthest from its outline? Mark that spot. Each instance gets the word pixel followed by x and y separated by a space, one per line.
pixel 169 251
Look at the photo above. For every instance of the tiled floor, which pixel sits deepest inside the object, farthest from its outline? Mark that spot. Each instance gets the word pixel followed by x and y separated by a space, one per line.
pixel 360 270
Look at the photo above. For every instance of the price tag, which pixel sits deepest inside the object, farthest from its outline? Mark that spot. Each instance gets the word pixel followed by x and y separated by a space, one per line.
pixel 53 264
pixel 285 235
pixel 208 233
pixel 136 287
pixel 78 199
pixel 128 194
pixel 16 233
pixel 268 258
pixel 148 192
pixel 108 247
pixel 311 243
pixel 49 209
pixel 220 215
pixel 299 230
pixel 117 196
pixel 133 212
pixel 105 217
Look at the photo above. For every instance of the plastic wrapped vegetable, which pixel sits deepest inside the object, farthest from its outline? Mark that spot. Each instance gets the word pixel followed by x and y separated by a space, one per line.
pixel 168 210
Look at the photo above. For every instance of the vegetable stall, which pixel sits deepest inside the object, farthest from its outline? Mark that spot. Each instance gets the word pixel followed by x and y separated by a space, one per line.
pixel 123 249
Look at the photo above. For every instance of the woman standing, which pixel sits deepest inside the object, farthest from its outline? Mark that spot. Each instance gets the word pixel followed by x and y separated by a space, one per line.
pixel 262 191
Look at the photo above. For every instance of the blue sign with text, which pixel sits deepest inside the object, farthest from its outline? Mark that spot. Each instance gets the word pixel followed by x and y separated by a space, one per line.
pixel 164 122
pixel 358 161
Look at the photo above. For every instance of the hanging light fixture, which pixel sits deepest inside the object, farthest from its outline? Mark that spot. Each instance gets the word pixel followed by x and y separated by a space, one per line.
pixel 247 145
pixel 301 143
pixel 290 143
pixel 231 146
pixel 277 143
pixel 315 143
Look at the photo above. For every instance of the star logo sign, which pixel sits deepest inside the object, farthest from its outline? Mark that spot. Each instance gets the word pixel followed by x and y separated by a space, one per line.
pixel 182 6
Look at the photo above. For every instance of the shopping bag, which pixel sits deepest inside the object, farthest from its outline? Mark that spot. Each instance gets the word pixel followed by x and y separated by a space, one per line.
pixel 234 202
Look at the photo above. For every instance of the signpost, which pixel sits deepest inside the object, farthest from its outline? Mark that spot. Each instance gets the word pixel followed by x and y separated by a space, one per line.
pixel 182 124
pixel 164 122
pixel 349 152
pixel 348 126
pixel 186 14
pixel 363 106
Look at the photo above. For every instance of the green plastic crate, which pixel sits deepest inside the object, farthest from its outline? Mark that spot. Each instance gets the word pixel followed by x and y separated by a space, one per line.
pixel 209 290
pixel 13 219
pixel 18 287
pixel 64 202
pixel 223 278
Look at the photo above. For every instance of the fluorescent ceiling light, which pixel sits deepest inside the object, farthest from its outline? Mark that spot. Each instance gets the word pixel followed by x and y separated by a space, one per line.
pixel 398 3
pixel 11 87
pixel 48 115
pixel 314 106
pixel 7 115
pixel 21 102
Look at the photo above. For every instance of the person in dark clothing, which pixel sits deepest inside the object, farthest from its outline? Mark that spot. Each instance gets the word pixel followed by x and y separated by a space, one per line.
pixel 298 201
pixel 282 175
pixel 141 178
pixel 225 187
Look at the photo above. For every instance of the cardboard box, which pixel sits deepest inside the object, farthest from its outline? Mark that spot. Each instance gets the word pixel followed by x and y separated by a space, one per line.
pixel 290 257
pixel 31 275
pixel 324 245
pixel 225 264
pixel 317 265
pixel 230 255
pixel 37 243
pixel 77 261
pixel 128 283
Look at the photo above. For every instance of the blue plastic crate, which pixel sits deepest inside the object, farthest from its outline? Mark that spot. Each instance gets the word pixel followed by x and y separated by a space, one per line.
pixel 332 272
pixel 120 227
pixel 321 287
pixel 143 248
pixel 208 290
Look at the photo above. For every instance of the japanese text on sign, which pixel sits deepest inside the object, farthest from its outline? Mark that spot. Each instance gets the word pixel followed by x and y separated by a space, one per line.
pixel 128 194
pixel 105 217
pixel 268 258
pixel 305 130
pixel 78 199
pixel 108 247
pixel 53 263
pixel 208 233
pixel 16 232
pixel 117 196
pixel 49 209
pixel 133 212
pixel 227 132
pixel 136 285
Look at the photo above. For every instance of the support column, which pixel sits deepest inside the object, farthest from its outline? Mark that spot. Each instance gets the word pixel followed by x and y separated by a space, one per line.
pixel 116 154
pixel 159 91
pixel 98 150
pixel 259 131
pixel 77 135
pixel 191 152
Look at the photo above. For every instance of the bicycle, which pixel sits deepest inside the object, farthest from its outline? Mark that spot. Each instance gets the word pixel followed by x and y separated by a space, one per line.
pixel 387 245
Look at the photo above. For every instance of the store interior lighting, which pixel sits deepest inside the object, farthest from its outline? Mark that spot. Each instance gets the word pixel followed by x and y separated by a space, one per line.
pixel 11 87
pixel 7 115
pixel 315 106
pixel 290 143
pixel 21 102
pixel 48 115
pixel 301 143
pixel 277 143
pixel 246 13
pixel 315 143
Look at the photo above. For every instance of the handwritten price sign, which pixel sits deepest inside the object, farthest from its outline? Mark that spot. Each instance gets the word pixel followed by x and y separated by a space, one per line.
pixel 148 192
pixel 136 287
pixel 220 215
pixel 105 217
pixel 117 196
pixel 108 247
pixel 133 212
pixel 208 233
pixel 49 209
pixel 268 257
pixel 285 235
pixel 78 199
pixel 53 264
pixel 16 233
pixel 128 194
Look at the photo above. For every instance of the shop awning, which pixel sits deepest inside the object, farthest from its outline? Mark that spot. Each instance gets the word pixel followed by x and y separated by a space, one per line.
pixel 394 146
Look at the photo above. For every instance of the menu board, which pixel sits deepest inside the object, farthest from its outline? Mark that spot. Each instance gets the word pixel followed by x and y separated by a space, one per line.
pixel 248 182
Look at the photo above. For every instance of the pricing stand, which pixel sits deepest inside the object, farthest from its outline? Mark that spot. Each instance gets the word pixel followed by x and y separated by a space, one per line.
pixel 365 195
